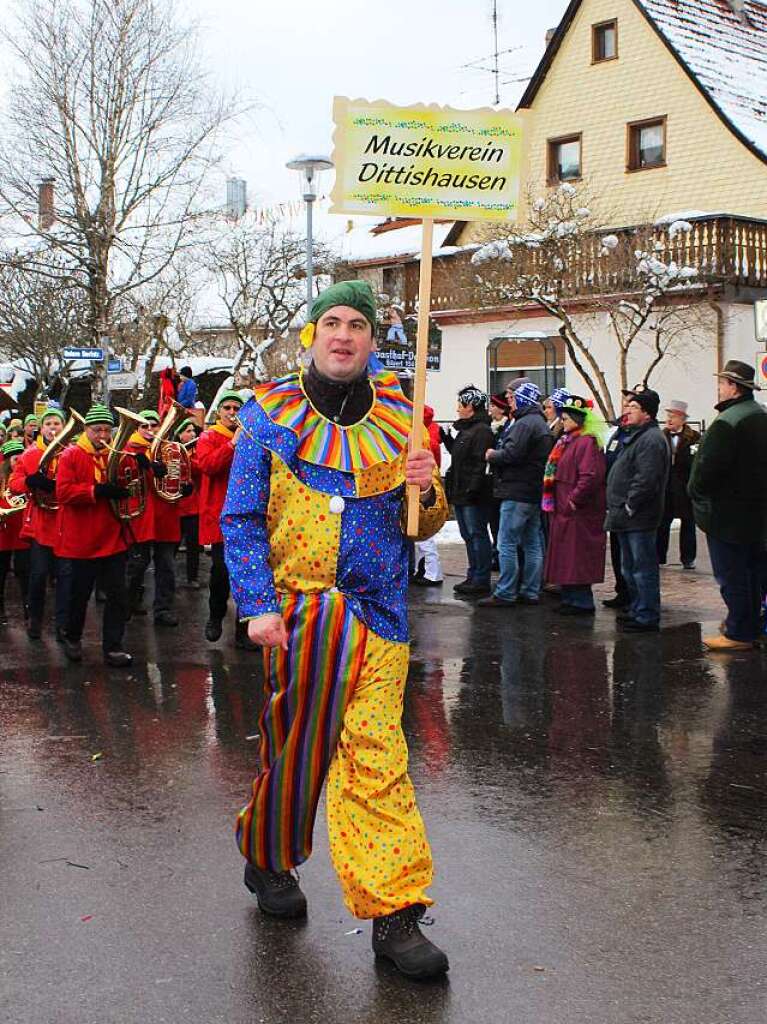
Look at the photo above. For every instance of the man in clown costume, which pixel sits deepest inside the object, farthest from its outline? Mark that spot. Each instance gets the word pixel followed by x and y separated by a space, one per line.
pixel 313 531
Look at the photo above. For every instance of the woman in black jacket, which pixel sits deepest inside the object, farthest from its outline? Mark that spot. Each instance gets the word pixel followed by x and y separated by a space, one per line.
pixel 469 487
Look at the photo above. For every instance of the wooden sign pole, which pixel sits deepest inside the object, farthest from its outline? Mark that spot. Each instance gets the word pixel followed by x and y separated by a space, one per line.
pixel 421 352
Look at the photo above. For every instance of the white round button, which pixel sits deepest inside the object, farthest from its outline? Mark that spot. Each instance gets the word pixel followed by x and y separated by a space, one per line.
pixel 337 504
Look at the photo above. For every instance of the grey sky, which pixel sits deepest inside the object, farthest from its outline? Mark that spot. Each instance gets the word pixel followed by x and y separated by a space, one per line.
pixel 293 56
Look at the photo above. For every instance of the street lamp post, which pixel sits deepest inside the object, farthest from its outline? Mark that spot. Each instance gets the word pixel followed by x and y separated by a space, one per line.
pixel 310 168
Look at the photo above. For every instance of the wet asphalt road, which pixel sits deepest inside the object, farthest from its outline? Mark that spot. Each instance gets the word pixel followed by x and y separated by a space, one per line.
pixel 597 807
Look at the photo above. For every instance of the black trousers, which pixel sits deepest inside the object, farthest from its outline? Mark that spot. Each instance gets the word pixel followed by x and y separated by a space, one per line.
pixel 20 561
pixel 621 589
pixel 218 598
pixel 109 576
pixel 688 546
pixel 42 565
pixel 190 533
pixel 163 553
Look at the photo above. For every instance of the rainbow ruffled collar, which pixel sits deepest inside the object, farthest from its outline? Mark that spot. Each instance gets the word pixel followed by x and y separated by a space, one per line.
pixel 380 437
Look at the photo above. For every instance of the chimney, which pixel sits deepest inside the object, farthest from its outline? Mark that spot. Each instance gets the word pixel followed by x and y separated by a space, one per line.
pixel 739 8
pixel 549 36
pixel 46 213
pixel 236 197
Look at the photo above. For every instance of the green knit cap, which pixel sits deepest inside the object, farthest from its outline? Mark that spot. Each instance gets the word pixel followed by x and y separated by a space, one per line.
pixel 182 427
pixel 150 415
pixel 30 419
pixel 230 396
pixel 98 413
pixel 12 447
pixel 357 294
pixel 59 413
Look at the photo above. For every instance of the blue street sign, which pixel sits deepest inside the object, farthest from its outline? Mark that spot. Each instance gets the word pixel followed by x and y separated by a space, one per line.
pixel 83 352
pixel 115 365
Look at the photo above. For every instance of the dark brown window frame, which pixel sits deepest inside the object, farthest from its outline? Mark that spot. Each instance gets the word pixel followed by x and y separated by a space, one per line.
pixel 632 143
pixel 610 23
pixel 552 177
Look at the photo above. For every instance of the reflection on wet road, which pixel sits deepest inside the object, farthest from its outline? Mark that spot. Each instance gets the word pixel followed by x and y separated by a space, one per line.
pixel 597 806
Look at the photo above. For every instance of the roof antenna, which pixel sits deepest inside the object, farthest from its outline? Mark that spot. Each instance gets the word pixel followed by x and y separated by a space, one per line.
pixel 495 52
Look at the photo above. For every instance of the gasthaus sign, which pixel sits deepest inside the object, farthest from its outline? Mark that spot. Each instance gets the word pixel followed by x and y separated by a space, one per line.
pixel 425 161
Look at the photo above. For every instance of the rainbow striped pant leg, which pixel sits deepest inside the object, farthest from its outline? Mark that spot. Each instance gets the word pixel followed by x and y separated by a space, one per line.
pixel 308 688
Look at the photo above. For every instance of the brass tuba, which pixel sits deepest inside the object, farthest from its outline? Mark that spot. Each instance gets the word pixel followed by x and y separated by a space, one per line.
pixel 74 425
pixel 15 503
pixel 124 471
pixel 173 454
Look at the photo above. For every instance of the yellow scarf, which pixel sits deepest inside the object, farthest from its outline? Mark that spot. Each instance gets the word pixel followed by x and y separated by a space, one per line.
pixel 221 429
pixel 139 439
pixel 100 458
pixel 40 443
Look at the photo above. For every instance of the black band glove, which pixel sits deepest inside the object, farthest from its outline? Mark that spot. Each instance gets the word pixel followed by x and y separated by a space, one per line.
pixel 186 490
pixel 111 491
pixel 143 461
pixel 159 469
pixel 40 482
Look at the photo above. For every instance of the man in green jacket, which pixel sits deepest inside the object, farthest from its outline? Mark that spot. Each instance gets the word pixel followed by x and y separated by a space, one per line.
pixel 728 487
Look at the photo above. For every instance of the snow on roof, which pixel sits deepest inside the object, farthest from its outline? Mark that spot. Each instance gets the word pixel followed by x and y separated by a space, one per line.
pixel 725 52
pixel 360 245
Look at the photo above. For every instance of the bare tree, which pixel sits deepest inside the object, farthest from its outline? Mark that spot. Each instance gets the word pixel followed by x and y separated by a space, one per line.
pixel 260 280
pixel 39 316
pixel 111 103
pixel 564 255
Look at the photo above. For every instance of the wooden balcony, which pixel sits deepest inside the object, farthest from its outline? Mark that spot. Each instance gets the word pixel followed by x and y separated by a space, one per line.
pixel 725 250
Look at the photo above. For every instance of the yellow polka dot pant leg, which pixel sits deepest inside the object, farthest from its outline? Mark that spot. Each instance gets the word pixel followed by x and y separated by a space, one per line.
pixel 377 837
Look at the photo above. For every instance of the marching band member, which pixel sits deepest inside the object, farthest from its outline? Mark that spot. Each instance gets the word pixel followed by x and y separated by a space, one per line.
pixel 41 527
pixel 215 451
pixel 30 430
pixel 189 507
pixel 15 430
pixel 156 532
pixel 13 547
pixel 91 535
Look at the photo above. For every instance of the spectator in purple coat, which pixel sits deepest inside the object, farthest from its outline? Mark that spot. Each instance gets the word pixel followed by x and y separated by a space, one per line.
pixel 574 498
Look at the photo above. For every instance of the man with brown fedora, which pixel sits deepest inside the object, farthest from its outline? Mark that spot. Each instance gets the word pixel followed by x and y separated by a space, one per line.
pixel 681 440
pixel 728 487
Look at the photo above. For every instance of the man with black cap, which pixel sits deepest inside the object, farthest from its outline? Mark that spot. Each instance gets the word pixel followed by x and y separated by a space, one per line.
pixel 187 391
pixel 469 487
pixel 728 487
pixel 636 488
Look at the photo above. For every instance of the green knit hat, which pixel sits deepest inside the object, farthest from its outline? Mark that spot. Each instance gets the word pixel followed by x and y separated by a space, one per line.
pixel 357 294
pixel 30 419
pixel 230 396
pixel 182 427
pixel 98 413
pixel 13 447
pixel 150 415
pixel 53 411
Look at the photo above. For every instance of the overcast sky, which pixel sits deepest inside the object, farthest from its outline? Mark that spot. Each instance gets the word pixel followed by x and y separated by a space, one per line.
pixel 293 56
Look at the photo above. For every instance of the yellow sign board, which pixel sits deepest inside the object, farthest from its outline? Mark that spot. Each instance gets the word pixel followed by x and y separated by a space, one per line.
pixel 425 161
